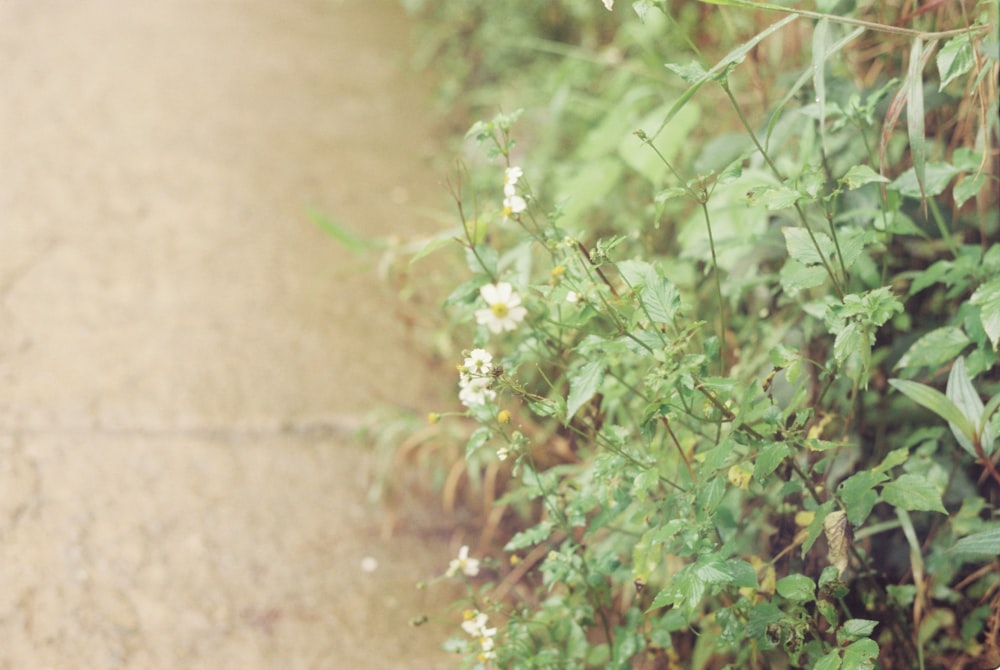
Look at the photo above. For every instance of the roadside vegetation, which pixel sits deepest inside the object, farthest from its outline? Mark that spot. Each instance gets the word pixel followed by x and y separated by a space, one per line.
pixel 725 326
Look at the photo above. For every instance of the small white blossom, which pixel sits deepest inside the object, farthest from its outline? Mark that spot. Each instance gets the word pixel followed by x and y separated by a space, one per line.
pixel 609 4
pixel 504 311
pixel 511 176
pixel 478 362
pixel 572 296
pixel 467 566
pixel 512 202
pixel 473 391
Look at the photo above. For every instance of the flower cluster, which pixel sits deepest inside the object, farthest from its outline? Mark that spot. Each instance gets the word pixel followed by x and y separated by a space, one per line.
pixel 512 202
pixel 474 378
pixel 475 625
pixel 467 566
pixel 504 309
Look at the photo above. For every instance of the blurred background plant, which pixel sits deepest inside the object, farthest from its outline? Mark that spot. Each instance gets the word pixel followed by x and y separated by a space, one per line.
pixel 754 244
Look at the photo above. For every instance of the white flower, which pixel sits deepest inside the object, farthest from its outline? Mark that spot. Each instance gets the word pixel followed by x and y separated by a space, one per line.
pixel 475 625
pixel 514 204
pixel 504 311
pixel 503 453
pixel 467 566
pixel 572 296
pixel 609 4
pixel 511 176
pixel 474 391
pixel 478 362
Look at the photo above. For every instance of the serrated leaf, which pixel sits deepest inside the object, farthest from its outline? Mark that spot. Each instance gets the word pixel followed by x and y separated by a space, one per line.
pixel 714 572
pixel 936 178
pixel 861 655
pixel 859 175
pixel 855 629
pixel 530 537
pixel 914 493
pixel 661 299
pixel 858 494
pixel 894 458
pixel 954 59
pixel 830 661
pixel 583 384
pixel 796 587
pixel 774 197
pixel 769 457
pixel 935 348
pixel 987 296
pixel 796 277
pixel 984 543
pixel 800 245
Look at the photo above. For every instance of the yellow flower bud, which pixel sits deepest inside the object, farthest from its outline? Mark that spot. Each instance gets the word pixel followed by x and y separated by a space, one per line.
pixel 433 417
pixel 503 416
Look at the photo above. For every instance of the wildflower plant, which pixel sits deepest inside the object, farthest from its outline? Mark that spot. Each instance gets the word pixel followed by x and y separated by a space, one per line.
pixel 742 416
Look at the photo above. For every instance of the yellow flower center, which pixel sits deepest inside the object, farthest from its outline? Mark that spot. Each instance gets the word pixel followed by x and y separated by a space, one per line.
pixel 500 310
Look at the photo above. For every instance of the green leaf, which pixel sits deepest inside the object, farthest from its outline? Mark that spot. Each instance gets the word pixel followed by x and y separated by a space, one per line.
pixel 915 112
pixel 936 178
pixel 935 348
pixel 690 73
pixel 954 59
pixel 478 438
pixel 914 493
pixel 985 543
pixel 735 56
pixel 938 403
pixel 967 188
pixel 987 296
pixel 855 629
pixel 796 587
pixel 961 392
pixel 532 536
pixel 796 277
pixel 861 655
pixel 859 175
pixel 830 661
pixel 661 299
pixel 801 248
pixel 892 459
pixel 775 197
pixel 858 494
pixel 769 457
pixel 583 384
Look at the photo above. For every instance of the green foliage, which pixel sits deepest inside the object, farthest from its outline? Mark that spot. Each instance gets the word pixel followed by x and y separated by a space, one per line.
pixel 742 287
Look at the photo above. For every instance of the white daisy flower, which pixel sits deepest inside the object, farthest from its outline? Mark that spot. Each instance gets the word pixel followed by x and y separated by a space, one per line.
pixel 504 311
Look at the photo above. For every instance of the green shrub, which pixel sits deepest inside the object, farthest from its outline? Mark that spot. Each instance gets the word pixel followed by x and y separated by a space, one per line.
pixel 708 307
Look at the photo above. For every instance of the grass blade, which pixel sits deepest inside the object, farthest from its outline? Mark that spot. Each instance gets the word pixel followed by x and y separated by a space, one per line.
pixel 915 116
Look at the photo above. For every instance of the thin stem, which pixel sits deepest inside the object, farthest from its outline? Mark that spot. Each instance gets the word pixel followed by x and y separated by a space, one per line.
pixel 777 173
pixel 718 291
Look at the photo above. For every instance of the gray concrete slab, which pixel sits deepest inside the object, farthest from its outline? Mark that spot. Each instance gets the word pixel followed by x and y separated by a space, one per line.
pixel 173 331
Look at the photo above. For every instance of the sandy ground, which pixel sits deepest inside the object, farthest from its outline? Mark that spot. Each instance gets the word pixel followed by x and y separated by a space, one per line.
pixel 183 354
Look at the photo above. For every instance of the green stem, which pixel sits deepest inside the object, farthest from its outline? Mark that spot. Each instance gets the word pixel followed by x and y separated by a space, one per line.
pixel 777 173
pixel 718 290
